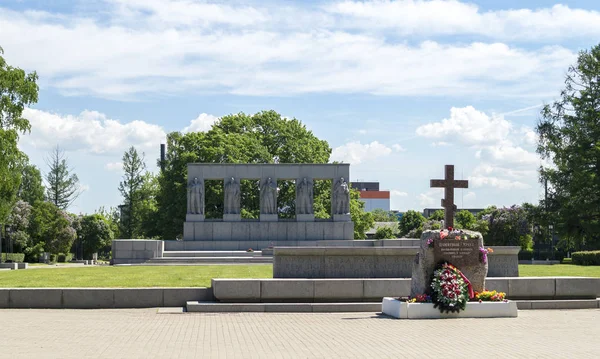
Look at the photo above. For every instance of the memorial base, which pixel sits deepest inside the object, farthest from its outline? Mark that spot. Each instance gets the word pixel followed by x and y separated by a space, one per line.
pixel 341 218
pixel 194 217
pixel 268 217
pixel 403 310
pixel 305 217
pixel 232 218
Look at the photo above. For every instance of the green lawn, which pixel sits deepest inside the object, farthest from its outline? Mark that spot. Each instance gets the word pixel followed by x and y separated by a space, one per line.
pixel 195 276
pixel 129 277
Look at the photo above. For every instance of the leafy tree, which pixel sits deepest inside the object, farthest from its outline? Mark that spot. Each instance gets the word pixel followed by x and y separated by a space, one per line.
pixel 411 220
pixel 381 215
pixel 363 221
pixel 94 234
pixel 569 138
pixel 112 217
pixel 264 137
pixel 18 221
pixel 131 190
pixel 438 215
pixel 63 186
pixel 52 227
pixel 465 219
pixel 385 232
pixel 17 90
pixel 508 227
pixel 32 188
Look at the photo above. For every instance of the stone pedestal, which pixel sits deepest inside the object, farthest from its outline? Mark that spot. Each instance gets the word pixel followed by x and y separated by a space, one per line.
pixel 194 217
pixel 232 218
pixel 268 217
pixel 305 217
pixel 341 218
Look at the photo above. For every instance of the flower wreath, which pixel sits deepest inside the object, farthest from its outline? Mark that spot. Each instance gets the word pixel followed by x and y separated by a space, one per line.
pixel 450 289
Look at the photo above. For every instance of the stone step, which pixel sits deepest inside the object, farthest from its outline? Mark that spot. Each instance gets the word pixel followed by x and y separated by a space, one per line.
pixel 212 307
pixel 175 254
pixel 210 260
pixel 558 304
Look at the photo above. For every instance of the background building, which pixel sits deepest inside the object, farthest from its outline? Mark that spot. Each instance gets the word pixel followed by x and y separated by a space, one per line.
pixel 372 196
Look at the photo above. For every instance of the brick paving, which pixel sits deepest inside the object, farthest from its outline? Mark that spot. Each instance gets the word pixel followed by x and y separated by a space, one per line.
pixel 144 333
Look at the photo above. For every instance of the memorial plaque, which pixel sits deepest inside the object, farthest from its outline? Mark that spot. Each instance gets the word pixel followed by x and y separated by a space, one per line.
pixel 463 252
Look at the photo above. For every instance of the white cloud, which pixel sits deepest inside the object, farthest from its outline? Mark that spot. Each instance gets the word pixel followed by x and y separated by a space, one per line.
pixel 355 152
pixel 500 183
pixel 202 123
pixel 157 48
pixel 398 148
pixel 84 187
pixel 90 131
pixel 431 198
pixel 114 166
pixel 530 137
pixel 470 196
pixel 397 193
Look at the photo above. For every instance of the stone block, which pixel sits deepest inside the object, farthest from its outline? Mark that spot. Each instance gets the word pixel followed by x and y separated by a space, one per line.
pixel 240 231
pixel 188 231
pixel 194 217
pixel 291 229
pixel 346 307
pixel 227 246
pixel 580 288
pixel 287 172
pixel 300 231
pixel 498 284
pixel 305 217
pixel 258 231
pixel 379 288
pixel 123 245
pixel 531 288
pixel 244 245
pixel 11 266
pixel 224 307
pixel 139 245
pixel 22 265
pixel 348 266
pixel 122 254
pixel 232 218
pixel 341 218
pixel 348 230
pixel 88 298
pixel 299 289
pixel 173 245
pixel 328 231
pixel 338 230
pixel 393 266
pixel 178 297
pixel 232 290
pixel 203 231
pixel 263 244
pixel 565 304
pixel 251 172
pixel 274 231
pixel 288 307
pixel 314 231
pixel 523 304
pixel 222 231
pixel 336 289
pixel 43 298
pixel 138 297
pixel 268 217
pixel 4 298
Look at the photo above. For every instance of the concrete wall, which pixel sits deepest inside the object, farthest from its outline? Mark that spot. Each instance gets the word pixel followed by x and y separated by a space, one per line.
pixel 89 298
pixel 366 290
pixel 127 251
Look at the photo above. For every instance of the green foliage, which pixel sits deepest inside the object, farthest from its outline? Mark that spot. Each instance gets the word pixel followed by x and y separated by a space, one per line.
pixel 64 258
pixel 17 90
pixel 363 221
pixel 240 138
pixel 465 220
pixel 438 215
pixel 380 215
pixel 14 257
pixel 53 226
pixel 385 232
pixel 32 188
pixel 94 234
pixel 569 138
pixel 411 220
pixel 526 254
pixel 32 253
pixel 63 186
pixel 508 227
pixel 586 258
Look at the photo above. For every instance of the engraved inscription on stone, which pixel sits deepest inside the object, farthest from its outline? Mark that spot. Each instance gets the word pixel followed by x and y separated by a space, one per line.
pixel 464 252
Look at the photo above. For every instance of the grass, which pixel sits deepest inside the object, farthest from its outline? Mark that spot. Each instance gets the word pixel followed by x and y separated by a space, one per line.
pixel 196 276
pixel 129 277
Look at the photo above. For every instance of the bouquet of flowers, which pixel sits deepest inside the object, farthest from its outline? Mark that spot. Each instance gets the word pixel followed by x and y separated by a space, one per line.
pixel 450 289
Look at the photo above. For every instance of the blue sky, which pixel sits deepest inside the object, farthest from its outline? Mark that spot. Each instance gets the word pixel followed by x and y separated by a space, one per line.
pixel 397 88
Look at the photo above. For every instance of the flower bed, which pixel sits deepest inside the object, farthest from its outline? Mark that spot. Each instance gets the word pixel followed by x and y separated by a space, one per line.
pixel 402 309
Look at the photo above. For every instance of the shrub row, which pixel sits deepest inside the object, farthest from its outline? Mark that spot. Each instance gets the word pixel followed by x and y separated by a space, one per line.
pixel 587 258
pixel 14 257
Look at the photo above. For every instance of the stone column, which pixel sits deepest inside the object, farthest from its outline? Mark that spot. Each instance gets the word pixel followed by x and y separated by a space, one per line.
pixel 267 193
pixel 232 200
pixel 195 200
pixel 305 200
pixel 340 200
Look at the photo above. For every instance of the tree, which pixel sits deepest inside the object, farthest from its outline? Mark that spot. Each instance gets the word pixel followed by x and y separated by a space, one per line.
pixel 363 221
pixel 32 188
pixel 569 138
pixel 264 137
pixel 51 227
pixel 63 186
pixel 465 219
pixel 508 227
pixel 385 232
pixel 131 190
pixel 437 215
pixel 411 220
pixel 17 90
pixel 381 215
pixel 94 234
pixel 18 221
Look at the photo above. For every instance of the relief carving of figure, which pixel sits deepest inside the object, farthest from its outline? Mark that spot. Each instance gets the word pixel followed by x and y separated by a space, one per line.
pixel 195 197
pixel 268 197
pixel 232 197
pixel 341 197
pixel 304 199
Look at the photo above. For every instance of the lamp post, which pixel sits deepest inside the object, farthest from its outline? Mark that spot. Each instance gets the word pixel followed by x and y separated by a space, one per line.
pixel 551 228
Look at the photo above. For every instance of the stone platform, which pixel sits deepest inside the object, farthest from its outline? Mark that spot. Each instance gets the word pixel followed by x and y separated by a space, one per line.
pixel 403 310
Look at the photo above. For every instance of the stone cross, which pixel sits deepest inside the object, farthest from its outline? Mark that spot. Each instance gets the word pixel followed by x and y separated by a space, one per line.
pixel 449 184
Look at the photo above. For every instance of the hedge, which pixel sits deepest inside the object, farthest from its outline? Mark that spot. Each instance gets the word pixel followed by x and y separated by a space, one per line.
pixel 525 254
pixel 63 258
pixel 586 258
pixel 14 257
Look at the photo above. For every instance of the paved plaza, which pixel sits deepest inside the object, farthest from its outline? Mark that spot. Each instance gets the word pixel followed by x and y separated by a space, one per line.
pixel 145 333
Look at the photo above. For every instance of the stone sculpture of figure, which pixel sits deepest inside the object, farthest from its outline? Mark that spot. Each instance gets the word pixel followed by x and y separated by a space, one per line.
pixel 304 199
pixel 195 198
pixel 268 197
pixel 341 197
pixel 232 197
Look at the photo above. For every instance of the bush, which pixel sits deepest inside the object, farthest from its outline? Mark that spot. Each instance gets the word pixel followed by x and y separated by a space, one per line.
pixel 566 261
pixel 63 258
pixel 385 232
pixel 525 254
pixel 586 258
pixel 14 257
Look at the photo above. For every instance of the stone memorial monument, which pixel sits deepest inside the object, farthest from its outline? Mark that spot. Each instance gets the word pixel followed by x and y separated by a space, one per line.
pixel 341 200
pixel 232 206
pixel 268 200
pixel 461 248
pixel 304 200
pixel 195 200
